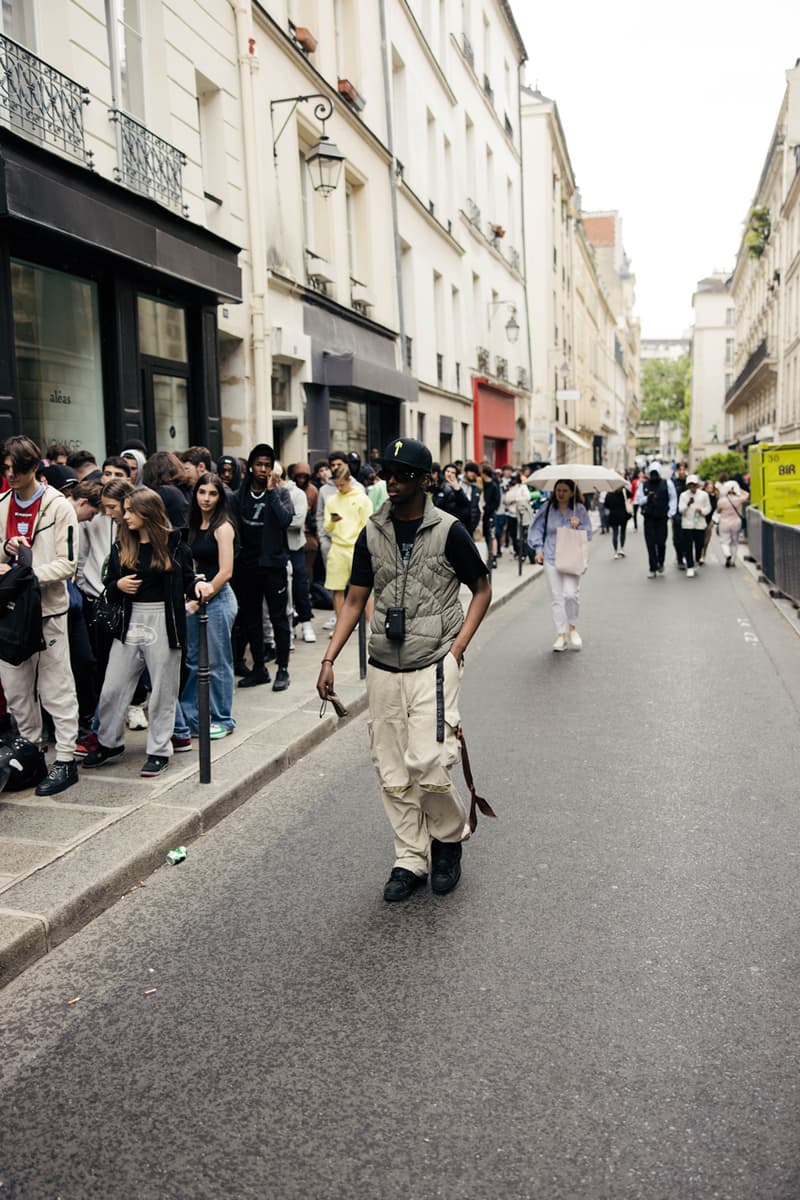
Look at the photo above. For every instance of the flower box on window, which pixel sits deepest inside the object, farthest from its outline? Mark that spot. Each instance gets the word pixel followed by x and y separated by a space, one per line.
pixel 305 38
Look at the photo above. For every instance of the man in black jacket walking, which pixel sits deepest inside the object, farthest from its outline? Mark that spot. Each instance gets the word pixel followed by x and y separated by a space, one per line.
pixel 264 512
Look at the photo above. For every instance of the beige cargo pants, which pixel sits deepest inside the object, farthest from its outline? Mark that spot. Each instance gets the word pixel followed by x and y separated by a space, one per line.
pixel 48 677
pixel 413 767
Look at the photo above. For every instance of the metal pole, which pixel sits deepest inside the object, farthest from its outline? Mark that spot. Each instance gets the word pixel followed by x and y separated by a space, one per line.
pixel 362 646
pixel 203 701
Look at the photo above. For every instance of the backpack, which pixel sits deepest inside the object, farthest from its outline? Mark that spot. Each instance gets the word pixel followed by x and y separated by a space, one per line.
pixel 20 611
pixel 22 764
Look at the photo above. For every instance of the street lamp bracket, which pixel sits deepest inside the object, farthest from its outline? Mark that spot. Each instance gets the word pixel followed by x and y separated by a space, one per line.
pixel 324 161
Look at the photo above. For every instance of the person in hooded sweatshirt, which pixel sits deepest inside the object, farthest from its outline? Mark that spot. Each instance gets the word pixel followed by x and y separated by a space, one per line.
pixel 264 512
pixel 230 473
pixel 658 503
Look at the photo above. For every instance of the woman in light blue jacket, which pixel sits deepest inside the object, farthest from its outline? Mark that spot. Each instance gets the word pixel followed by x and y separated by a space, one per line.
pixel 564 509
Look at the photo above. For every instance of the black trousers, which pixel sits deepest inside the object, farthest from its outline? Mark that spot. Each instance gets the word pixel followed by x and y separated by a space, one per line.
pixel 677 539
pixel 655 538
pixel 254 585
pixel 692 542
pixel 300 593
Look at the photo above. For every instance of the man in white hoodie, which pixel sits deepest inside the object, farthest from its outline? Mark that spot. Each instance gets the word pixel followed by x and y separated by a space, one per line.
pixel 36 515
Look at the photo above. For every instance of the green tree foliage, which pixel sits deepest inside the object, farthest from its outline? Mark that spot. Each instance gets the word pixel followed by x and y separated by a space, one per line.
pixel 728 463
pixel 665 389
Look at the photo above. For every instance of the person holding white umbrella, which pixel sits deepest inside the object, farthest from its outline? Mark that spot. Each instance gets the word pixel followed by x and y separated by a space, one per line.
pixel 564 509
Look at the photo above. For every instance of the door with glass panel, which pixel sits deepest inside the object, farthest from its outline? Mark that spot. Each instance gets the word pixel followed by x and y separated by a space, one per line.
pixel 164 359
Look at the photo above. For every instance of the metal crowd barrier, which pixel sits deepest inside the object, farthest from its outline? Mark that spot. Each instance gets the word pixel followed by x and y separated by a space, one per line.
pixel 776 549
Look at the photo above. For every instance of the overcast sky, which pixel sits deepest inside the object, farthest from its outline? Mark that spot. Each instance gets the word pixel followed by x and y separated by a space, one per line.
pixel 668 111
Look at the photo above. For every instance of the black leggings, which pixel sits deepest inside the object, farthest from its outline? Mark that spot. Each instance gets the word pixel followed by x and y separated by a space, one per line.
pixel 618 535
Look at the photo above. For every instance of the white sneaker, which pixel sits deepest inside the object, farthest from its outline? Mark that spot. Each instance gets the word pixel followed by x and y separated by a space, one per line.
pixel 575 640
pixel 307 630
pixel 330 623
pixel 690 573
pixel 651 575
pixel 561 642
pixel 137 717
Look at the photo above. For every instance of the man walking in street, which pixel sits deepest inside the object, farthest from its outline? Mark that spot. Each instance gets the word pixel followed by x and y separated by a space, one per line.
pixel 36 515
pixel 679 481
pixel 264 512
pixel 415 557
pixel 658 503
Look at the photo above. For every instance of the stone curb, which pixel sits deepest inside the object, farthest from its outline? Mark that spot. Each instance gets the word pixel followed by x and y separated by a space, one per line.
pixel 56 901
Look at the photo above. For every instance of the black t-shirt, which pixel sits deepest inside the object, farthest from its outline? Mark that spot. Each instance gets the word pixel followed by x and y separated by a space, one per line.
pixel 460 551
pixel 152 589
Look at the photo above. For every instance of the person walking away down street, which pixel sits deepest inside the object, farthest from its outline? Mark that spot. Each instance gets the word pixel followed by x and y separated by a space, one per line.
pixel 346 514
pixel 617 516
pixel 730 513
pixel 679 483
pixel 472 488
pixel 35 515
pixel 564 508
pixel 416 557
pixel 711 492
pixel 694 508
pixel 211 540
pixel 263 512
pixel 657 503
pixel 150 574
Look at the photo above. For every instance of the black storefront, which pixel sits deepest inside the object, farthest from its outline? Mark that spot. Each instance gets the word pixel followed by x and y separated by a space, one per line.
pixel 108 310
pixel 354 399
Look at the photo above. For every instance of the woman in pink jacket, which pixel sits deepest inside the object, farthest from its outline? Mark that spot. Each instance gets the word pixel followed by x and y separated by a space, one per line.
pixel 730 511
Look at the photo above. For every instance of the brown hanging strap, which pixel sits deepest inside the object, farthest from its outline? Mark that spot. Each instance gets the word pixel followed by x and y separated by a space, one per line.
pixel 477 802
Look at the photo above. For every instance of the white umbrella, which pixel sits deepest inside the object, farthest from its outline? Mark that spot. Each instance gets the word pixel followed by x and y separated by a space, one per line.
pixel 588 478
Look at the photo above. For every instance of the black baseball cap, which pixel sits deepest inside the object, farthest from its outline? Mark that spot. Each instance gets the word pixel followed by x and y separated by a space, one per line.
pixel 407 452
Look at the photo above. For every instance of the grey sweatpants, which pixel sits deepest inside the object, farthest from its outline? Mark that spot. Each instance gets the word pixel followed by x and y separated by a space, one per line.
pixel 48 677
pixel 146 645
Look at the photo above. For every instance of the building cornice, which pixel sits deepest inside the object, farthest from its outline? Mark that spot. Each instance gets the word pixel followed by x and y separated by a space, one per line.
pixel 433 62
pixel 434 222
pixel 292 287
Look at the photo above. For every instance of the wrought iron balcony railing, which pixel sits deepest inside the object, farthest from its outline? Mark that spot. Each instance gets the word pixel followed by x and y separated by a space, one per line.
pixel 466 46
pixel 40 103
pixel 147 164
pixel 473 213
pixel 514 259
pixel 409 352
pixel 500 366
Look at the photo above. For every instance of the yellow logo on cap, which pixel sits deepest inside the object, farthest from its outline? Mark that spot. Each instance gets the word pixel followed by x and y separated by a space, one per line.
pixel 398 446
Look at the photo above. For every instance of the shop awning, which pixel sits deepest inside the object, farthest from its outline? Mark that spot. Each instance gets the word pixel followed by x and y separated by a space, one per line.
pixel 62 198
pixel 562 431
pixel 351 371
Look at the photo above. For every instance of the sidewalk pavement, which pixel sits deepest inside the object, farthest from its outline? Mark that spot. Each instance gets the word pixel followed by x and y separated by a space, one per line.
pixel 64 859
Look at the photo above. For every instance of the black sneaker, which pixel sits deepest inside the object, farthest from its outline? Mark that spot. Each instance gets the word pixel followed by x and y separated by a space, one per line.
pixel 153 766
pixel 445 866
pixel 101 754
pixel 402 883
pixel 60 776
pixel 255 677
pixel 241 668
pixel 281 680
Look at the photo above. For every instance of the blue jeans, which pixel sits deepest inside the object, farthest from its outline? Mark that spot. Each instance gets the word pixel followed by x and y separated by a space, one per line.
pixel 221 614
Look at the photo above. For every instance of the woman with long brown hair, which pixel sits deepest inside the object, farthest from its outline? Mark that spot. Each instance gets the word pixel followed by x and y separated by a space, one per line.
pixel 150 574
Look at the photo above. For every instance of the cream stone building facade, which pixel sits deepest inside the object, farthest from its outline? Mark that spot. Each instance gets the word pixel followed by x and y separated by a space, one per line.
pixel 712 362
pixel 604 231
pixel 386 303
pixel 583 334
pixel 763 399
pixel 122 215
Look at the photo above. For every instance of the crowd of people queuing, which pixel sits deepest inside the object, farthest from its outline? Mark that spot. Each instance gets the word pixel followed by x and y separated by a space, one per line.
pixel 125 551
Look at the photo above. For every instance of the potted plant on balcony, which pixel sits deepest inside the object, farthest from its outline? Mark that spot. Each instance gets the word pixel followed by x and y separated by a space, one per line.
pixel 759 227
pixel 497 231
pixel 305 38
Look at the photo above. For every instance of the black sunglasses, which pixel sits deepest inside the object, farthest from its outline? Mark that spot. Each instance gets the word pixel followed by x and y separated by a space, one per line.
pixel 400 474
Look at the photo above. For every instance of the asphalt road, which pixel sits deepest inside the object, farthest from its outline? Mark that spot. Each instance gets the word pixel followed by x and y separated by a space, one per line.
pixel 606 1007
